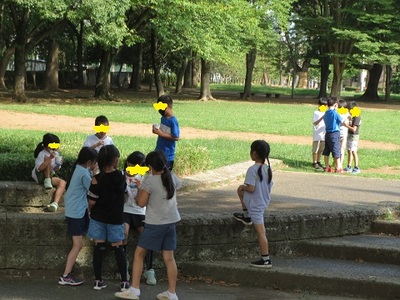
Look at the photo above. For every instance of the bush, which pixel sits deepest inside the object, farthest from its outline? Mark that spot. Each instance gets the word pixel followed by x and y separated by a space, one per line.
pixel 191 159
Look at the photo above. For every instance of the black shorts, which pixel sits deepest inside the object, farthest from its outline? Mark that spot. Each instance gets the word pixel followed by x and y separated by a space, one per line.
pixel 134 220
pixel 77 227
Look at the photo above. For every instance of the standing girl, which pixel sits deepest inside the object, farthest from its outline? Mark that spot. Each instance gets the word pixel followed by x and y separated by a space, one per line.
pixel 46 165
pixel 254 196
pixel 106 205
pixel 134 215
pixel 158 194
pixel 76 209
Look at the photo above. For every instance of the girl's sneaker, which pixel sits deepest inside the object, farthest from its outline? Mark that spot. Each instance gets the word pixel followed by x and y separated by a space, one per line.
pixel 262 263
pixel 150 277
pixel 128 294
pixel 99 285
pixel 47 184
pixel 356 170
pixel 124 285
pixel 53 206
pixel 166 296
pixel 347 169
pixel 69 280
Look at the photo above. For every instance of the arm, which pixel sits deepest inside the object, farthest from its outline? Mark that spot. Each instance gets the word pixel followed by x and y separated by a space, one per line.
pixel 245 188
pixel 318 121
pixel 143 198
pixel 92 197
pixel 164 135
pixel 46 162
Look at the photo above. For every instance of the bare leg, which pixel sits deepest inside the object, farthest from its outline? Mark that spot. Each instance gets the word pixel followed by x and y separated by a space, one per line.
pixel 262 238
pixel 172 271
pixel 77 244
pixel 137 267
pixel 60 184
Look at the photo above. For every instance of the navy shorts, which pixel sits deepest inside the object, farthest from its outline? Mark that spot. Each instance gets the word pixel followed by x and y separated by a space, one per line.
pixel 134 220
pixel 158 237
pixel 332 144
pixel 77 227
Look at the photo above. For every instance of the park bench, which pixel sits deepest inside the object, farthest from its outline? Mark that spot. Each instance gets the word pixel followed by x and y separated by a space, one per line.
pixel 269 95
pixel 242 94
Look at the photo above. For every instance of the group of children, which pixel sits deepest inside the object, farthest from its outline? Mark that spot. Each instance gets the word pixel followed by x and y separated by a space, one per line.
pixel 336 129
pixel 105 203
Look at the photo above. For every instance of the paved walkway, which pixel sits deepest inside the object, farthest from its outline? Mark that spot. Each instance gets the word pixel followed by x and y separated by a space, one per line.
pixel 293 194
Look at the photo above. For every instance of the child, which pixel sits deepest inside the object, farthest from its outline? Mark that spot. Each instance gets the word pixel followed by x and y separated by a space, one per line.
pixel 158 194
pixel 76 209
pixel 352 141
pixel 168 131
pixel 100 138
pixel 134 215
pixel 46 165
pixel 345 115
pixel 332 136
pixel 319 134
pixel 254 196
pixel 106 207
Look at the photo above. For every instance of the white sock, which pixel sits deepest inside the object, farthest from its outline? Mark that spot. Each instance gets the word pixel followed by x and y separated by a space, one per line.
pixel 135 291
pixel 171 296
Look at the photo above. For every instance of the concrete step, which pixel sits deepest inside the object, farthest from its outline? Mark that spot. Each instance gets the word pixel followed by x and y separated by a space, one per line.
pixel 391 227
pixel 368 248
pixel 309 274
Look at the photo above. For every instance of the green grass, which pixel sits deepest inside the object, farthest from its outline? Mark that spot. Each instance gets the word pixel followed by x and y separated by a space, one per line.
pixel 255 117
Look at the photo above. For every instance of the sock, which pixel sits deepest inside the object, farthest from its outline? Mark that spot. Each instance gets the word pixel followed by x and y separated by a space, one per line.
pixel 265 257
pixel 121 262
pixel 135 291
pixel 98 253
pixel 171 295
pixel 245 213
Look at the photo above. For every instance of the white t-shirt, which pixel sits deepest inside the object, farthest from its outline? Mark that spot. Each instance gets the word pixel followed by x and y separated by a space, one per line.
pixel 343 129
pixel 130 205
pixel 40 159
pixel 93 140
pixel 319 130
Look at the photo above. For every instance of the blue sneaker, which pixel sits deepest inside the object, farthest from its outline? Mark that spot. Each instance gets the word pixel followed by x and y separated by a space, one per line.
pixel 356 170
pixel 347 169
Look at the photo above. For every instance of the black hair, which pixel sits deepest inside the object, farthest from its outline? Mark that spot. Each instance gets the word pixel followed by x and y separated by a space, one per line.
pixel 106 156
pixel 164 99
pixel 323 101
pixel 47 139
pixel 101 120
pixel 135 158
pixel 262 149
pixel 158 161
pixel 342 103
pixel 352 104
pixel 85 154
pixel 332 101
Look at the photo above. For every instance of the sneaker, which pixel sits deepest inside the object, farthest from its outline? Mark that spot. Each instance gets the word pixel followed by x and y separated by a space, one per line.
pixel 128 294
pixel 53 206
pixel 166 296
pixel 319 164
pixel 47 184
pixel 328 169
pixel 262 263
pixel 356 170
pixel 69 280
pixel 347 169
pixel 339 171
pixel 99 285
pixel 240 217
pixel 150 277
pixel 124 285
pixel 318 167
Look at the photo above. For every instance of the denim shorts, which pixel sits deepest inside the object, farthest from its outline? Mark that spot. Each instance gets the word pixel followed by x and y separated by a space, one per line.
pixel 77 227
pixel 107 232
pixel 158 237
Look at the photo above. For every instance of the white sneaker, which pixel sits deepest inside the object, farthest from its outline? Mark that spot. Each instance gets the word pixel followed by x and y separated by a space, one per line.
pixel 166 296
pixel 150 277
pixel 53 206
pixel 47 184
pixel 128 294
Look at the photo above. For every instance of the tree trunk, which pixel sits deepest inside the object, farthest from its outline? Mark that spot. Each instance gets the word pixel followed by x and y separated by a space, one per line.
pixel 371 93
pixel 388 82
pixel 338 69
pixel 79 55
pixel 156 65
pixel 303 79
pixel 102 89
pixel 323 87
pixel 5 59
pixel 250 62
pixel 188 78
pixel 137 68
pixel 51 79
pixel 195 72
pixel 179 77
pixel 205 91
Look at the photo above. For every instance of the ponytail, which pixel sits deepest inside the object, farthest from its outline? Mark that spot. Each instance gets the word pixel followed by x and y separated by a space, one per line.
pixel 157 161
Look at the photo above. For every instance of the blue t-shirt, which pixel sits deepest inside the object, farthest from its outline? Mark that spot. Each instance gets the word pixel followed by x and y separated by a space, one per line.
pixel 332 121
pixel 170 126
pixel 75 199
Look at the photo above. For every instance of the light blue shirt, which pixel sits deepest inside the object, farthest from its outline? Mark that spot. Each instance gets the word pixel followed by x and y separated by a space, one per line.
pixel 75 199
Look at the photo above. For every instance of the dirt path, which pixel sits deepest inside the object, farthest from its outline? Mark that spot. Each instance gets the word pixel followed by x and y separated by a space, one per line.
pixel 56 123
